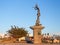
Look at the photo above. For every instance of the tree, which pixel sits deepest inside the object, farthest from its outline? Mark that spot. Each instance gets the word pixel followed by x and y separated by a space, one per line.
pixel 17 32
pixel 48 34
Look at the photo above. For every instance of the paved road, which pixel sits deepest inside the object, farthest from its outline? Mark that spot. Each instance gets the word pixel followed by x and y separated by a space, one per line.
pixel 26 44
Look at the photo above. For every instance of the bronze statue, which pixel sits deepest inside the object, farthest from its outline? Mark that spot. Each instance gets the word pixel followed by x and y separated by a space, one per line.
pixel 38 15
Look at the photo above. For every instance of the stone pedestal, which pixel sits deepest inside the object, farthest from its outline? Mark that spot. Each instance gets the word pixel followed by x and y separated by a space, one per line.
pixel 37 36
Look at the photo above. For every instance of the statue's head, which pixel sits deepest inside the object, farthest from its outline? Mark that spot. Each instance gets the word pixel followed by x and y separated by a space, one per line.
pixel 36 7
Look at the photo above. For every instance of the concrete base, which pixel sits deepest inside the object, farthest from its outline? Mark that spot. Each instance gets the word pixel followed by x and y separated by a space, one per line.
pixel 37 37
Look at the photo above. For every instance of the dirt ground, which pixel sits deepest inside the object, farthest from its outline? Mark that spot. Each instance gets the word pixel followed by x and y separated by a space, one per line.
pixel 25 44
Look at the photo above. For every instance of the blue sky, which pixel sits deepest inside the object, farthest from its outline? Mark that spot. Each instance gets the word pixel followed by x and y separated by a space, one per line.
pixel 21 13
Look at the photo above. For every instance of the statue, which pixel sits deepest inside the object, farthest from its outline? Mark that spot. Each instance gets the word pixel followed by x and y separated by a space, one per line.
pixel 37 28
pixel 38 15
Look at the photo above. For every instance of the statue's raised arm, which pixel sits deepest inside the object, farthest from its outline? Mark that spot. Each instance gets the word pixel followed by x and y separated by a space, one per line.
pixel 37 8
